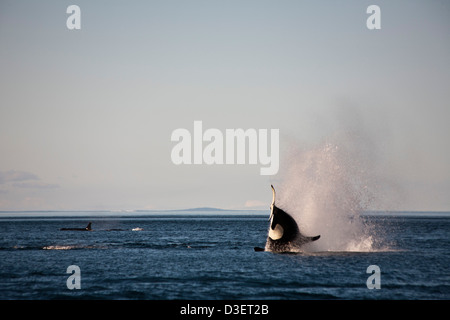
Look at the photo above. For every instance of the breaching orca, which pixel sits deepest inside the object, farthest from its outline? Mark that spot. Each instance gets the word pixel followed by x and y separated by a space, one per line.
pixel 88 228
pixel 284 234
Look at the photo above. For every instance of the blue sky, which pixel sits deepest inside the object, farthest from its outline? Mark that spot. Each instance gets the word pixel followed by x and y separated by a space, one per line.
pixel 86 115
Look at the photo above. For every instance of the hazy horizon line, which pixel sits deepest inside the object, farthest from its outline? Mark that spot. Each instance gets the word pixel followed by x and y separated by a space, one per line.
pixel 212 209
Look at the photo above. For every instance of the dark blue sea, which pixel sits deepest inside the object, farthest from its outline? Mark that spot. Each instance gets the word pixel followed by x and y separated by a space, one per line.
pixel 211 256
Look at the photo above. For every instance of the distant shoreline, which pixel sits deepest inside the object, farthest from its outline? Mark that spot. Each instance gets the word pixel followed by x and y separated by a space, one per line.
pixel 194 211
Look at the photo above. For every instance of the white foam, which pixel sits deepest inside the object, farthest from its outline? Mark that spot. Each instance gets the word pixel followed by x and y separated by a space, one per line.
pixel 59 247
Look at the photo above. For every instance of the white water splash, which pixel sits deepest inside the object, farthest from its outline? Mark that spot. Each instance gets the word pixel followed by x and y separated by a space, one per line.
pixel 71 247
pixel 326 189
pixel 60 247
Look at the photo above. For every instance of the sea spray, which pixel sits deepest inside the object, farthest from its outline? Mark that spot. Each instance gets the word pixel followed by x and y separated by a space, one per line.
pixel 326 188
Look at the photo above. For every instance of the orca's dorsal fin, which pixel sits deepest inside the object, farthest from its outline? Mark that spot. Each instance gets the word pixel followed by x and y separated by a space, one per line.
pixel 89 226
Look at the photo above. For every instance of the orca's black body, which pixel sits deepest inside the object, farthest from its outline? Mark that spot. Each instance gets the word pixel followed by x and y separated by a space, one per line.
pixel 88 228
pixel 284 234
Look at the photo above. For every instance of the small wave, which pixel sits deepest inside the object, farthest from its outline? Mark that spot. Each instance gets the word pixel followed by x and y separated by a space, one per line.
pixel 58 247
pixel 137 229
pixel 72 247
pixel 114 245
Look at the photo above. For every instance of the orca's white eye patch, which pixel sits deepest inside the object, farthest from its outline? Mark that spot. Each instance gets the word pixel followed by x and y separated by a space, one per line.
pixel 276 233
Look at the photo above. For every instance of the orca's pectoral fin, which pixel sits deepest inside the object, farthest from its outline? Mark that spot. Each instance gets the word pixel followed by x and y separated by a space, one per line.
pixel 258 249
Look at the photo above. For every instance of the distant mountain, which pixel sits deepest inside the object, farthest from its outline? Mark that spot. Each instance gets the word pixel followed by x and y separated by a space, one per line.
pixel 202 209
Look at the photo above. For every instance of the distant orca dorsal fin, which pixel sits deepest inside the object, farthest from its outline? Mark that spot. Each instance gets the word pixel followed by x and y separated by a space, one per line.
pixel 89 226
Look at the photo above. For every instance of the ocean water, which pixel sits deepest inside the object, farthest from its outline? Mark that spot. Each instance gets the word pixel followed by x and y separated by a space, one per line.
pixel 211 256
